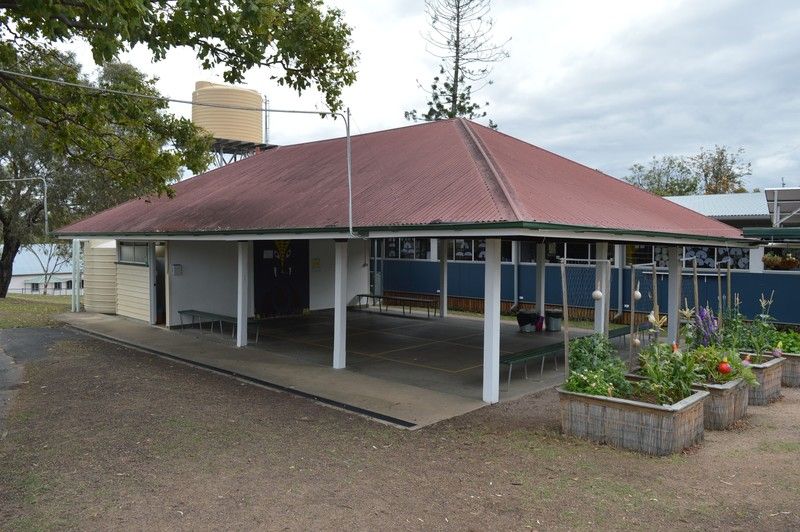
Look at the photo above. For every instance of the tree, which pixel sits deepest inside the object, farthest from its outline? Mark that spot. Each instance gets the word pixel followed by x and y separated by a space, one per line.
pixel 51 257
pixel 145 145
pixel 665 176
pixel 717 171
pixel 304 44
pixel 460 38
pixel 721 171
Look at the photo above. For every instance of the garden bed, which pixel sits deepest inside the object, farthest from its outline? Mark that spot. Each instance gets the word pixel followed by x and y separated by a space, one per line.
pixel 726 404
pixel 791 370
pixel 769 374
pixel 644 427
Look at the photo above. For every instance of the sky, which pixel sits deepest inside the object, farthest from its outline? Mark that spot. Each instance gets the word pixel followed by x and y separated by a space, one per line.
pixel 607 84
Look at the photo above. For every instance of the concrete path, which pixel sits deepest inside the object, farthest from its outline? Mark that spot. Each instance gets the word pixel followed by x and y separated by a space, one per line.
pixel 396 402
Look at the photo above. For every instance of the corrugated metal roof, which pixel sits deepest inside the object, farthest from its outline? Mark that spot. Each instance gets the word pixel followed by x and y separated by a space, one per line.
pixel 452 171
pixel 744 205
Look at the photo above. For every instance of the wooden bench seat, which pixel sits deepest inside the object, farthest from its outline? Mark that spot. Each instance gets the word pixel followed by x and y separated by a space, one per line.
pixel 425 302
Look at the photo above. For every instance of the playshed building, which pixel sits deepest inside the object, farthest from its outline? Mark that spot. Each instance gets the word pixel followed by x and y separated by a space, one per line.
pixel 269 235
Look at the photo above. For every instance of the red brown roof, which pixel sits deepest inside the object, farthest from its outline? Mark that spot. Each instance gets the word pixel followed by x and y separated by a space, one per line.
pixel 452 171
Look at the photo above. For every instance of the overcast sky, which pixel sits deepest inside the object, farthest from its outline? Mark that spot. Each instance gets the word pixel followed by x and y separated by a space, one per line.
pixel 606 83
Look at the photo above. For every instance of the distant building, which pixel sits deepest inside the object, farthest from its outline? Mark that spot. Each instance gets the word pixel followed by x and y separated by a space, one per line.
pixel 28 276
pixel 748 209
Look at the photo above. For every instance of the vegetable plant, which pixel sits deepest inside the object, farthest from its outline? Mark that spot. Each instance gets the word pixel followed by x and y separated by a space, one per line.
pixel 762 333
pixel 789 340
pixel 596 369
pixel 717 365
pixel 669 373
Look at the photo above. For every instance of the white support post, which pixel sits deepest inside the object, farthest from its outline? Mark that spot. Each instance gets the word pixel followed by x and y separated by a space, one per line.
pixel 242 292
pixel 76 275
pixel 674 293
pixel 757 260
pixel 541 271
pixel 340 306
pixel 442 251
pixel 601 271
pixel 491 323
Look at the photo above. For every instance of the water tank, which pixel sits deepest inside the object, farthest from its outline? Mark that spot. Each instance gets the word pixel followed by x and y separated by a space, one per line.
pixel 228 124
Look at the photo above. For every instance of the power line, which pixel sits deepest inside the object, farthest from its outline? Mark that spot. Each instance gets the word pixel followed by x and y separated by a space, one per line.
pixel 344 115
pixel 164 98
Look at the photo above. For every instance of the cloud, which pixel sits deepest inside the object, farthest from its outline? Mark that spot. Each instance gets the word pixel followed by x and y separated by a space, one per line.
pixel 607 84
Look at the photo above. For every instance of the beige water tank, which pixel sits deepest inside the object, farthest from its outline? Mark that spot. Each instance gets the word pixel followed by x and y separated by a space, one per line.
pixel 228 124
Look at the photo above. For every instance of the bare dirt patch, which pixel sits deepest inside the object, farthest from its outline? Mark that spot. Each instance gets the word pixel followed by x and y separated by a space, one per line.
pixel 106 437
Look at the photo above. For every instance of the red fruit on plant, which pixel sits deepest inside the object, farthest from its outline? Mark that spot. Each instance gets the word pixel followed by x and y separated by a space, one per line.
pixel 724 366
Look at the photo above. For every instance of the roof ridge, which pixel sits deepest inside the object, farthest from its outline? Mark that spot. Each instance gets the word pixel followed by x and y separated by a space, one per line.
pixel 487 163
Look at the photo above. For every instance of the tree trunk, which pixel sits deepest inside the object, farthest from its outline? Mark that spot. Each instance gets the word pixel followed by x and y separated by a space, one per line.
pixel 456 63
pixel 10 248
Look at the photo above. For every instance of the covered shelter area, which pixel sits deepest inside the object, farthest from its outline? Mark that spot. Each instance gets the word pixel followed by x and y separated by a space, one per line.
pixel 264 248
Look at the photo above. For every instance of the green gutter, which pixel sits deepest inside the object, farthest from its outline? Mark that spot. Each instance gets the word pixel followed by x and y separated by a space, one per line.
pixel 773 233
pixel 466 226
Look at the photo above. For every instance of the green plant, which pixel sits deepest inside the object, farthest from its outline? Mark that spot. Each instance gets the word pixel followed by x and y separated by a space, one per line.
pixel 668 372
pixel 608 379
pixel 709 359
pixel 761 332
pixel 789 340
pixel 596 369
pixel 773 261
pixel 735 334
pixel 588 351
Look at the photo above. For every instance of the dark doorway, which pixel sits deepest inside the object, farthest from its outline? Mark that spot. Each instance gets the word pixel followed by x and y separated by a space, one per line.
pixel 280 282
pixel 160 285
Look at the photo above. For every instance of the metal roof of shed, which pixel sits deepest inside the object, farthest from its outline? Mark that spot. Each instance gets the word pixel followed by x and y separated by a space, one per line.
pixel 438 174
pixel 743 205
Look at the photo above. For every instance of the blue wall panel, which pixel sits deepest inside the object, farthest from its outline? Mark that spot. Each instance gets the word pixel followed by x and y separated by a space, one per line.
pixel 466 279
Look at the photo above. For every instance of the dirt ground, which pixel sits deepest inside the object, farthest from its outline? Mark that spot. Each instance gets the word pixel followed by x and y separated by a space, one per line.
pixel 101 437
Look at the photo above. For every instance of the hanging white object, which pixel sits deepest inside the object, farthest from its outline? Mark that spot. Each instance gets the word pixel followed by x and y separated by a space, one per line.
pixel 637 342
pixel 637 295
pixel 597 295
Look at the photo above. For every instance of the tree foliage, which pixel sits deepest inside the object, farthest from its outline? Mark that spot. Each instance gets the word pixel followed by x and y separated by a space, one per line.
pixel 720 170
pixel 137 150
pixel 712 171
pixel 665 176
pixel 306 43
pixel 460 37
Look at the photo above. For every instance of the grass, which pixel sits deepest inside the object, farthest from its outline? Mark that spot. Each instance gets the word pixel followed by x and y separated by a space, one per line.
pixel 31 311
pixel 134 441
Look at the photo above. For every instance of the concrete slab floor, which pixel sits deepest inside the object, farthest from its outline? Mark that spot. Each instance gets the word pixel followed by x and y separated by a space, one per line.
pixel 415 372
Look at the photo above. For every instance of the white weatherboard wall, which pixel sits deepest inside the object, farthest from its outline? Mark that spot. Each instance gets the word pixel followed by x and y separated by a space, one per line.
pixel 207 278
pixel 321 272
pixel 133 291
pixel 100 276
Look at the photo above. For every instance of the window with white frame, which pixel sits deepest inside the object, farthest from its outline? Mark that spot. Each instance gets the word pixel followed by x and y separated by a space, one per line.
pixel 133 252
